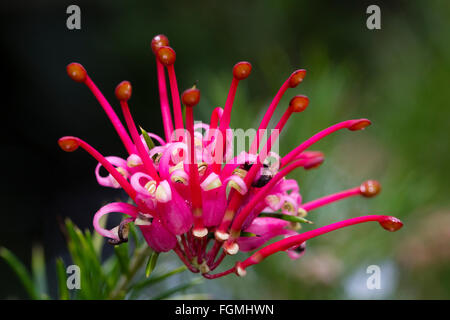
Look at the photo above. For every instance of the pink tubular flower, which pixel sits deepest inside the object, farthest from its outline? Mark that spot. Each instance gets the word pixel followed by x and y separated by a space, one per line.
pixel 192 196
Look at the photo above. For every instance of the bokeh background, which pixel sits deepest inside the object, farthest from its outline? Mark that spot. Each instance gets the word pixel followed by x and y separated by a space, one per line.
pixel 397 76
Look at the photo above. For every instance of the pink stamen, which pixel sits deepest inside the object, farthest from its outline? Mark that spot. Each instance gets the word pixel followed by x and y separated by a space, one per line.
pixel 146 160
pixel 72 143
pixel 175 97
pixel 353 125
pixel 241 71
pixel 194 182
pixel 243 214
pixel 165 108
pixel 111 115
pixel 218 275
pixel 216 115
pixel 297 104
pixel 182 257
pixel 387 222
pixel 294 79
pixel 330 199
pixel 191 97
pixel 218 262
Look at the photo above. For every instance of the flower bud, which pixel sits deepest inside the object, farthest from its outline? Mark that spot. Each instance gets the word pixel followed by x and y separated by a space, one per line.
pixel 296 77
pixel 370 188
pixel 76 71
pixel 391 223
pixel 242 70
pixel 68 144
pixel 299 103
pixel 166 55
pixel 159 41
pixel 360 125
pixel 123 91
pixel 190 97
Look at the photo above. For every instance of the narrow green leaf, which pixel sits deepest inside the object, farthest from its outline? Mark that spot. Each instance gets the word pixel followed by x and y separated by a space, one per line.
pixel 121 252
pixel 148 282
pixel 38 270
pixel 179 288
pixel 151 263
pixel 285 217
pixel 148 139
pixel 21 271
pixel 248 234
pixel 62 279
pixel 97 239
pixel 133 234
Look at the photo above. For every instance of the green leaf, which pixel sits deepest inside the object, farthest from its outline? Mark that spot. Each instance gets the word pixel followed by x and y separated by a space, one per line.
pixel 176 289
pixel 286 217
pixel 151 263
pixel 148 140
pixel 21 272
pixel 121 252
pixel 248 234
pixel 148 282
pixel 38 270
pixel 62 279
pixel 97 239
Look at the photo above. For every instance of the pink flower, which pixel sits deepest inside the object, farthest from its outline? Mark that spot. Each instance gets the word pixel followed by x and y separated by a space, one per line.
pixel 191 195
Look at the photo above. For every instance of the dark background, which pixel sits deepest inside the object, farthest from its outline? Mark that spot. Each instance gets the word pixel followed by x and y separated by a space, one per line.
pixel 396 76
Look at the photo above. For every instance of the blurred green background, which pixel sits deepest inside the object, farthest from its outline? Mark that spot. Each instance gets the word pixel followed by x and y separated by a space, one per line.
pixel 397 76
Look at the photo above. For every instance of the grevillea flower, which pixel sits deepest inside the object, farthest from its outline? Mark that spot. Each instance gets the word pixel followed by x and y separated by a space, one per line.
pixel 190 195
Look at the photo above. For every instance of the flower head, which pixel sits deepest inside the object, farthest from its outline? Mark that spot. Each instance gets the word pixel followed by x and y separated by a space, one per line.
pixel 190 194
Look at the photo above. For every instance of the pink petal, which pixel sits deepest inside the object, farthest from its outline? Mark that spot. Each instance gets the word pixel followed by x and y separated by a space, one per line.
pixel 109 181
pixel 114 207
pixel 158 237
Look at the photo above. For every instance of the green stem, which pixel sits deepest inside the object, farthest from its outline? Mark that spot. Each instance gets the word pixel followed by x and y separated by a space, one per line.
pixel 137 261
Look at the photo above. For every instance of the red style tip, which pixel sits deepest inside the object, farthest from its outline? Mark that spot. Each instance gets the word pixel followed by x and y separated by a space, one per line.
pixel 360 125
pixel 391 223
pixel 242 70
pixel 123 91
pixel 166 55
pixel 68 144
pixel 296 77
pixel 77 72
pixel 370 188
pixel 159 41
pixel 299 103
pixel 190 97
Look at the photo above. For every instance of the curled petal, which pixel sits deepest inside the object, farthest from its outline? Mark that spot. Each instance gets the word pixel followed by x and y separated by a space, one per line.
pixel 179 176
pixel 169 157
pixel 116 207
pixel 211 182
pixel 237 183
pixel 163 192
pixel 109 180
pixel 134 160
pixel 139 181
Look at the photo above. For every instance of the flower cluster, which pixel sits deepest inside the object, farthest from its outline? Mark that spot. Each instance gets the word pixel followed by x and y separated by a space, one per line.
pixel 191 196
